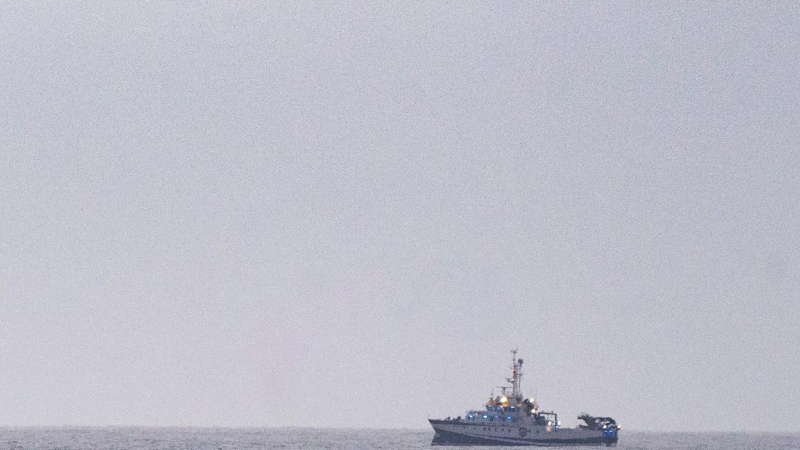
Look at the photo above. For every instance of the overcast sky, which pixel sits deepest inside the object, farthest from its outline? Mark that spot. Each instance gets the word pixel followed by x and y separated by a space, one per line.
pixel 346 214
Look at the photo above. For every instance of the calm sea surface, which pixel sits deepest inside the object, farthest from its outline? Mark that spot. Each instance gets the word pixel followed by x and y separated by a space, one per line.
pixel 311 439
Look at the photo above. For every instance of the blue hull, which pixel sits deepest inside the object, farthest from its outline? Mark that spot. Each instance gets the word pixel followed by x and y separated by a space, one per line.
pixel 450 438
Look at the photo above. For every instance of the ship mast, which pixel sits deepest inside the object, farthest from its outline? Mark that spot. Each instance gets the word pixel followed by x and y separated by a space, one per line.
pixel 516 375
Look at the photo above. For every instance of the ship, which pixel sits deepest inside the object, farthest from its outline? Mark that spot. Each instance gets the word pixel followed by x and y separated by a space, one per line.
pixel 510 419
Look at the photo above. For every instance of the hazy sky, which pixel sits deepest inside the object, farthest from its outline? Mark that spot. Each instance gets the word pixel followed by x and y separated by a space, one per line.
pixel 346 214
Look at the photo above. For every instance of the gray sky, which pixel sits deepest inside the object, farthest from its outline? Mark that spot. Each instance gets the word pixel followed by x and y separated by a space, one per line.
pixel 347 214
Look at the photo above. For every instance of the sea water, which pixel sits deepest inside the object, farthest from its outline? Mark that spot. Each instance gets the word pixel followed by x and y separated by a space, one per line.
pixel 113 438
